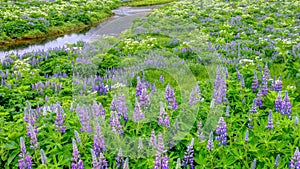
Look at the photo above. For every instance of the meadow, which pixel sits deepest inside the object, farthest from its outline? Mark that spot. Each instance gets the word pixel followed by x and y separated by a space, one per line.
pixel 195 84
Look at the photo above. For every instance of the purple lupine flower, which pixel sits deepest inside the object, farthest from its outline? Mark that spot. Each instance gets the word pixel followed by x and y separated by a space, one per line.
pixel 266 71
pixel 210 143
pixel 162 79
pixel 114 104
pixel 200 132
pixel 157 161
pixel 195 95
pixel 43 157
pixel 60 119
pixel 295 161
pixel 77 163
pixel 254 105
pixel 26 161
pixel 144 99
pixel 276 164
pixel 253 165
pixel 99 142
pixel 270 121
pixel 264 85
pixel 221 130
pixel 247 136
pixel 84 119
pixel 77 137
pixel 287 107
pixel 139 87
pixel 220 87
pixel 170 97
pixel 152 141
pixel 153 89
pixel 165 162
pixel 115 123
pixel 138 113
pixel 163 118
pixel 122 108
pixel 278 103
pixel 188 157
pixel 296 121
pixel 259 100
pixel 278 85
pixel 227 111
pixel 119 159
pixel 160 143
pixel 33 140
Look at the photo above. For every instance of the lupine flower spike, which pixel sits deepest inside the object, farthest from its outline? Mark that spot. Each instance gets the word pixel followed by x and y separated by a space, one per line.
pixel 210 144
pixel 247 136
pixel 270 121
pixel 221 130
pixel 188 157
pixel 26 161
pixel 295 162
pixel 276 164
pixel 253 166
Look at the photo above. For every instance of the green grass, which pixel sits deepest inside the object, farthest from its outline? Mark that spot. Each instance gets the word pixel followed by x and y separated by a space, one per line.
pixel 147 2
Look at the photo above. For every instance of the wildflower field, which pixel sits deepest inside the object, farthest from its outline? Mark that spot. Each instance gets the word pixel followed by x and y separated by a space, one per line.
pixel 195 84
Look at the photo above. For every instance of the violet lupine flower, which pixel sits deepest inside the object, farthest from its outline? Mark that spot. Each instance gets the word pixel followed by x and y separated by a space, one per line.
pixel 122 108
pixel 210 143
pixel 26 161
pixel 270 121
pixel 162 79
pixel 138 113
pixel 99 164
pixel 77 137
pixel 221 130
pixel 165 162
pixel 119 159
pixel 163 118
pixel 276 164
pixel 278 85
pixel 139 87
pixel 99 142
pixel 253 166
pixel 157 161
pixel 254 105
pixel 153 89
pixel 295 161
pixel 220 87
pixel 266 71
pixel 33 140
pixel 195 95
pixel 60 119
pixel 84 119
pixel 170 97
pixel 114 104
pixel 77 163
pixel 43 157
pixel 160 143
pixel 255 83
pixel 287 107
pixel 188 157
pixel 227 111
pixel 144 99
pixel 258 100
pixel 152 141
pixel 264 85
pixel 200 132
pixel 296 121
pixel 278 103
pixel 115 123
pixel 247 136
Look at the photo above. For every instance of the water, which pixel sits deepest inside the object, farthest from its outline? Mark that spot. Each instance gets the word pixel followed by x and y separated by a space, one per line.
pixel 121 21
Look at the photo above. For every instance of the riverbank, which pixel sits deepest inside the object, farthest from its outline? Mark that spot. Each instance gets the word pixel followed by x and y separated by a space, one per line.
pixel 38 27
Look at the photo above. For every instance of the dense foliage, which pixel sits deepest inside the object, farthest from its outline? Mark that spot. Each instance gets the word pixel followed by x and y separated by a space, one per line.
pixel 192 85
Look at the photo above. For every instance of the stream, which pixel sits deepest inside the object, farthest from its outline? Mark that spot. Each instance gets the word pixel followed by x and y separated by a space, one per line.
pixel 122 20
